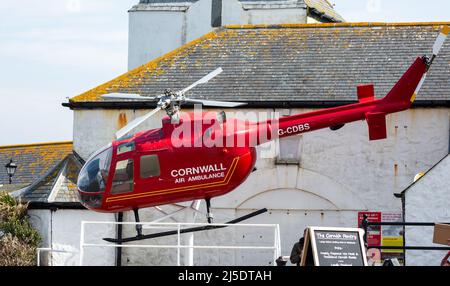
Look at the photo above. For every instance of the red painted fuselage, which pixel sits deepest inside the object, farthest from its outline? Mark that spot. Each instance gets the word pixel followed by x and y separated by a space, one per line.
pixel 207 157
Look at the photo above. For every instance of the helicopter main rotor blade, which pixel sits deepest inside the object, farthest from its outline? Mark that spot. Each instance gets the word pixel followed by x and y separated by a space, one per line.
pixel 135 123
pixel 436 49
pixel 127 96
pixel 203 80
pixel 440 40
pixel 214 103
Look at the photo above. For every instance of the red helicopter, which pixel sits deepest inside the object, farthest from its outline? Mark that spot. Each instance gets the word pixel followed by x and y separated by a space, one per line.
pixel 202 156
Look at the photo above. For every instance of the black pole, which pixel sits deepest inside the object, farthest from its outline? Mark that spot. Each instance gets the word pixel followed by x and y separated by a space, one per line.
pixel 138 226
pixel 119 238
pixel 403 199
pixel 365 225
pixel 406 223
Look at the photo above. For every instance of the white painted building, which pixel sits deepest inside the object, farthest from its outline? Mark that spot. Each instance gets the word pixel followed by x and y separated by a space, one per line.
pixel 319 179
pixel 427 200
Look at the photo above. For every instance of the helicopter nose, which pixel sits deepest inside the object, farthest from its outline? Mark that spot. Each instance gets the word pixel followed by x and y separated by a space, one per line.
pixel 91 202
pixel 93 178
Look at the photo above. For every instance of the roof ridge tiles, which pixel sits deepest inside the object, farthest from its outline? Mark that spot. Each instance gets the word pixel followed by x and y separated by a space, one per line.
pixel 334 25
pixel 36 144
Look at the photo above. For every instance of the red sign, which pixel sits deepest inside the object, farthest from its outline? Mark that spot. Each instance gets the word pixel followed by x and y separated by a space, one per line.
pixel 373 232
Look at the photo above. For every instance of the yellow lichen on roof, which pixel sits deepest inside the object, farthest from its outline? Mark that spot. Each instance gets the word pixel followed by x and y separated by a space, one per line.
pixel 155 67
pixel 196 53
pixel 33 160
pixel 37 145
pixel 334 25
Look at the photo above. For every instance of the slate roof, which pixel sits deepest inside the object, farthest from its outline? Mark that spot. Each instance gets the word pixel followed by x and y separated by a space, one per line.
pixel 33 161
pixel 293 64
pixel 40 190
pixel 426 174
pixel 47 173
pixel 67 191
pixel 59 185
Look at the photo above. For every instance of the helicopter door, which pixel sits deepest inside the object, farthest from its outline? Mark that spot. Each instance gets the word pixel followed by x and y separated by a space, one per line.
pixel 148 173
pixel 123 180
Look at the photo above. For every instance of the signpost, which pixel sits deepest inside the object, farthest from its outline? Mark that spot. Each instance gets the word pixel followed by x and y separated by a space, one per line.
pixel 334 247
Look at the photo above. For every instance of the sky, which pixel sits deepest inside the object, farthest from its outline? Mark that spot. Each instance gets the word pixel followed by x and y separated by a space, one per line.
pixel 51 50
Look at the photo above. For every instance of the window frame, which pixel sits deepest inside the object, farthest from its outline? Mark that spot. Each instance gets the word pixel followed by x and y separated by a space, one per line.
pixel 130 181
pixel 141 156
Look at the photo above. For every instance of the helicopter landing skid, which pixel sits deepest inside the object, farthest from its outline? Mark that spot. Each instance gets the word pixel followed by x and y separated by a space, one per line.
pixel 187 230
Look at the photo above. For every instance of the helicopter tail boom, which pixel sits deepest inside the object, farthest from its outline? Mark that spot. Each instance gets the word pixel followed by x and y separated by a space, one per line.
pixel 372 110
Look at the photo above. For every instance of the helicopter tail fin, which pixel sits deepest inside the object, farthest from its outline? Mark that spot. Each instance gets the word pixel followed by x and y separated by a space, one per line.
pixel 407 88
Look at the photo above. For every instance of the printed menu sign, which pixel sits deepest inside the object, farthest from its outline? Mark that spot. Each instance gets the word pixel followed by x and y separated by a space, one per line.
pixel 336 246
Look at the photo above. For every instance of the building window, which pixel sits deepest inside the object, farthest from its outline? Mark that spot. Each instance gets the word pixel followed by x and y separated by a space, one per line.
pixel 150 166
pixel 123 177
pixel 288 150
pixel 125 147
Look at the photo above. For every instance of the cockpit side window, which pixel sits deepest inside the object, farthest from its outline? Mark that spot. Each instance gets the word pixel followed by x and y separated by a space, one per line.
pixel 150 166
pixel 125 147
pixel 94 175
pixel 123 177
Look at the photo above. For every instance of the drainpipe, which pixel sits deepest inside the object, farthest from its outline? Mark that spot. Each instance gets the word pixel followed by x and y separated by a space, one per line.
pixel 402 196
pixel 404 227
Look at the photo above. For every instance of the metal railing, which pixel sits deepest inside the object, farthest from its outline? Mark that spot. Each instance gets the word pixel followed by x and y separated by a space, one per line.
pixel 366 223
pixel 276 247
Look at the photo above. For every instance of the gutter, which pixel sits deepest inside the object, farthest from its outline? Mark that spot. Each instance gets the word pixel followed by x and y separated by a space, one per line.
pixel 250 104
pixel 56 206
pixel 314 13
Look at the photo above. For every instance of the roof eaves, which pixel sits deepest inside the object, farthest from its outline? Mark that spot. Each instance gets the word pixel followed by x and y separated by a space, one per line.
pixel 56 205
pixel 426 173
pixel 56 184
pixel 325 16
pixel 78 159
pixel 23 192
pixel 250 104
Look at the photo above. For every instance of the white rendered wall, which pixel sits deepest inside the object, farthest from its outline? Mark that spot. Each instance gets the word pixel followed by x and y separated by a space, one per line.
pixel 234 13
pixel 153 32
pixel 41 221
pixel 146 41
pixel 61 230
pixel 427 201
